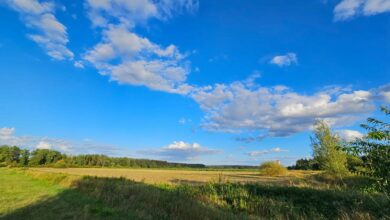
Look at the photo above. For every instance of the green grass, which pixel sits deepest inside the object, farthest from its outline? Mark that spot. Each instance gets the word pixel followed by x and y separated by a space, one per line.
pixel 35 195
pixel 18 191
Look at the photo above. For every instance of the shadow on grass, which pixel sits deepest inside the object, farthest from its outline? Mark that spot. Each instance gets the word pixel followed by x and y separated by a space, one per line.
pixel 119 198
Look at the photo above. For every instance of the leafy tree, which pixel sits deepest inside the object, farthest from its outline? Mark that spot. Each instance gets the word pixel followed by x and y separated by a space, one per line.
pixel 9 155
pixel 44 157
pixel 327 151
pixel 306 164
pixel 375 148
pixel 24 157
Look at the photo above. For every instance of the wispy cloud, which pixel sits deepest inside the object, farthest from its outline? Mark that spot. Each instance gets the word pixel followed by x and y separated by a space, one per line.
pixel 9 137
pixel 264 152
pixel 285 60
pixel 348 9
pixel 181 151
pixel 103 13
pixel 184 121
pixel 47 31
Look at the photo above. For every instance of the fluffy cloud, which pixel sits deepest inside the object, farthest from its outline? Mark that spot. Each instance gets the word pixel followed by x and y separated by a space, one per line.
pixel 44 145
pixel 349 135
pixel 129 58
pixel 279 111
pixel 8 137
pixel 181 151
pixel 6 133
pixel 347 9
pixel 264 152
pixel 285 60
pixel 49 33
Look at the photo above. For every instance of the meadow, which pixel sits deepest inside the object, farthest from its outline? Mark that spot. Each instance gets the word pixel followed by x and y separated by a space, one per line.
pixel 99 193
pixel 177 176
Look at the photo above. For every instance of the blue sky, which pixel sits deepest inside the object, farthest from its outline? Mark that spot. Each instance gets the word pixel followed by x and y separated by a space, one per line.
pixel 215 82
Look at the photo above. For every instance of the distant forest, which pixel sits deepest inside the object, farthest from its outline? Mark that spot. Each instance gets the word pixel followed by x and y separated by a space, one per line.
pixel 15 156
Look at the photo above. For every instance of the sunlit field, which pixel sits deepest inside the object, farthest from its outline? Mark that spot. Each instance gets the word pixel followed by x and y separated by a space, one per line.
pixel 47 193
pixel 172 176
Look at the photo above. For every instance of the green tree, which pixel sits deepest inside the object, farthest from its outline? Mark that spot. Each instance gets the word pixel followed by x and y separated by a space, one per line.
pixel 24 157
pixel 375 147
pixel 306 164
pixel 327 151
pixel 9 155
pixel 44 157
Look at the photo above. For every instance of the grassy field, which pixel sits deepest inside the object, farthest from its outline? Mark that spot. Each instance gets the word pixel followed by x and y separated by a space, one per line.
pixel 47 194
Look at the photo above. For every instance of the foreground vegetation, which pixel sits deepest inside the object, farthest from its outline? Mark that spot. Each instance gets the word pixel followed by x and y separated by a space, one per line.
pixel 40 195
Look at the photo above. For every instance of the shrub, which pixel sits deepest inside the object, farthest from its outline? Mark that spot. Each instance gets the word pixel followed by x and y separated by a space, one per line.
pixel 272 168
pixel 60 164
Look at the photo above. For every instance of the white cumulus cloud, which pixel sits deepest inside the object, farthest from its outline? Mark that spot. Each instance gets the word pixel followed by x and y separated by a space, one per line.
pixel 127 57
pixel 285 60
pixel 272 111
pixel 264 152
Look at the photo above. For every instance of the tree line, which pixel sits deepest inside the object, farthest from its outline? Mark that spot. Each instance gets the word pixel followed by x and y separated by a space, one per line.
pixel 15 156
pixel 368 156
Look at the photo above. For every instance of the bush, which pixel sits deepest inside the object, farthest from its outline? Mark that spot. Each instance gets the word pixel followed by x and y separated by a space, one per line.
pixel 272 168
pixel 60 164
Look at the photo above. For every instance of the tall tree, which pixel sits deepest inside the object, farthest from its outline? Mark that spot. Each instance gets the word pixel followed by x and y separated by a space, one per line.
pixel 375 147
pixel 327 151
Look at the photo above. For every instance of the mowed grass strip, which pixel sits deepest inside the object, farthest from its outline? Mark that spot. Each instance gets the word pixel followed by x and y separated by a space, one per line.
pixel 18 190
pixel 39 196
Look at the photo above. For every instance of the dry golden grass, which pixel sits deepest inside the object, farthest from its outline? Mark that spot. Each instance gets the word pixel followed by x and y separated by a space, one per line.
pixel 181 176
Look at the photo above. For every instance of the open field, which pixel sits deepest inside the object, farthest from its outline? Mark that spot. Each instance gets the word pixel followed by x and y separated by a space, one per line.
pixel 44 194
pixel 182 176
